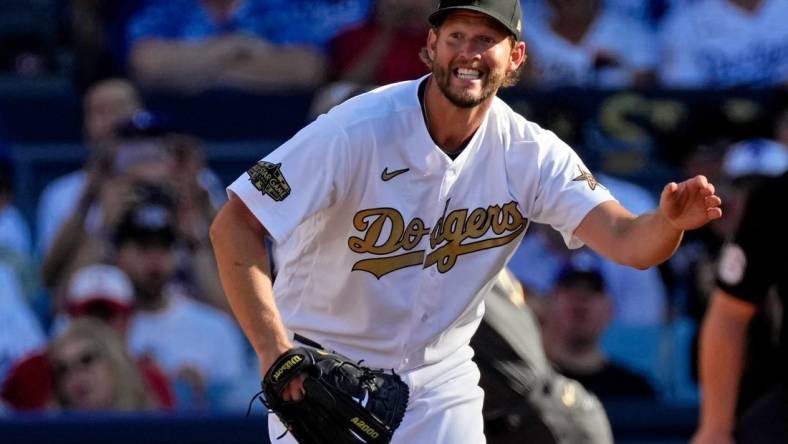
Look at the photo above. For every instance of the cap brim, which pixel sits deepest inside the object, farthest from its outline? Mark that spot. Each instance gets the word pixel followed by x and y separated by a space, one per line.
pixel 85 306
pixel 437 17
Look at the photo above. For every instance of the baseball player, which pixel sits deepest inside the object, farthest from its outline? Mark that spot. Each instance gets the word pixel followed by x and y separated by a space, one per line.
pixel 392 213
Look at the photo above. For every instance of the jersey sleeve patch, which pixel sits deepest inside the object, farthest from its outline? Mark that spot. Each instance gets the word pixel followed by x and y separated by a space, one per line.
pixel 268 179
pixel 589 178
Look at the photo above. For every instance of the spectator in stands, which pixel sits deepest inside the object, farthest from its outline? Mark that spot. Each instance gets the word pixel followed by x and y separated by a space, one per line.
pixel 576 314
pixel 751 281
pixel 96 37
pixel 97 291
pixel 146 160
pixel 104 106
pixel 21 331
pixel 384 48
pixel 724 44
pixel 16 247
pixel 648 13
pixel 92 370
pixel 29 38
pixel 103 292
pixel 580 43
pixel 252 45
pixel 186 337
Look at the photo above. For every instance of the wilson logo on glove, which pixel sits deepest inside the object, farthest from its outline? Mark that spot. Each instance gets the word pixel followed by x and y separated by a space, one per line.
pixel 286 366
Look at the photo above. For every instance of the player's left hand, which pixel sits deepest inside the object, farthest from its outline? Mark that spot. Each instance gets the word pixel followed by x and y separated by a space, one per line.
pixel 690 204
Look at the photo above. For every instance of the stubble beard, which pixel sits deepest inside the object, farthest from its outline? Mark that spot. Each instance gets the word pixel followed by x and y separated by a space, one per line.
pixel 150 292
pixel 464 99
pixel 581 342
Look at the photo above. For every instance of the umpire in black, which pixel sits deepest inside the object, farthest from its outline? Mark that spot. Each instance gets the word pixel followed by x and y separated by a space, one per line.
pixel 752 278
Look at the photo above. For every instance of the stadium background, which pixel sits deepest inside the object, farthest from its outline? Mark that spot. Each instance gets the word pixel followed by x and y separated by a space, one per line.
pixel 640 134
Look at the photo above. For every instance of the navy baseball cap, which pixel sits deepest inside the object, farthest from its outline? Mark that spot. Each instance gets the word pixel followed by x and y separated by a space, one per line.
pixel 148 223
pixel 505 12
pixel 581 272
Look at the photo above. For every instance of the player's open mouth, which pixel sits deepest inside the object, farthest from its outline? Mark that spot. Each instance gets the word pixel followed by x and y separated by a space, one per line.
pixel 467 74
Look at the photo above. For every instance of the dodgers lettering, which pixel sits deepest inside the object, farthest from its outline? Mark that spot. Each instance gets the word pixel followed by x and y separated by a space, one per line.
pixel 449 238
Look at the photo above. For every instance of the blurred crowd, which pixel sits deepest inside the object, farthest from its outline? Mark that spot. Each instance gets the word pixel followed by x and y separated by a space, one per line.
pixel 265 45
pixel 110 298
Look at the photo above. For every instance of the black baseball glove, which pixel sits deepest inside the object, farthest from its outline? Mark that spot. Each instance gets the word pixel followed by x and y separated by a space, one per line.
pixel 343 402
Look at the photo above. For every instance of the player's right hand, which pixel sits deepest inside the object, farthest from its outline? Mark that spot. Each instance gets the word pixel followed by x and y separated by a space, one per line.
pixel 294 390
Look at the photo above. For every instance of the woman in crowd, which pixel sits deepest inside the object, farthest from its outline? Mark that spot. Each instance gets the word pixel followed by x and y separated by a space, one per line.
pixel 93 371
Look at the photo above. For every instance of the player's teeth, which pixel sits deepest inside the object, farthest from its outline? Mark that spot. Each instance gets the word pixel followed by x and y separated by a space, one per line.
pixel 468 74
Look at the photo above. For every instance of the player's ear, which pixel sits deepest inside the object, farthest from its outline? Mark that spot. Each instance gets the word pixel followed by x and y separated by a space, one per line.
pixel 432 42
pixel 517 56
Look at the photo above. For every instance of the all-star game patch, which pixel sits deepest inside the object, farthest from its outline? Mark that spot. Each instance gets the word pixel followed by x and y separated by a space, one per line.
pixel 268 179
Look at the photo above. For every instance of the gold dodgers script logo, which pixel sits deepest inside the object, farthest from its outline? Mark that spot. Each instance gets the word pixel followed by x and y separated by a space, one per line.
pixel 453 235
pixel 267 177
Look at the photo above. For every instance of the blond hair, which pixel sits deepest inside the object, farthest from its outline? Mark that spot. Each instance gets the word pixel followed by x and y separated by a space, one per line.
pixel 129 392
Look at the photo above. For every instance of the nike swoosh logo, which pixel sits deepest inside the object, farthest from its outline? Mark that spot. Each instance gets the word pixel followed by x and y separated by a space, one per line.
pixel 386 176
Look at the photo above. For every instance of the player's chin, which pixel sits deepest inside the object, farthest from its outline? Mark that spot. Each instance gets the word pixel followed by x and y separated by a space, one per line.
pixel 467 96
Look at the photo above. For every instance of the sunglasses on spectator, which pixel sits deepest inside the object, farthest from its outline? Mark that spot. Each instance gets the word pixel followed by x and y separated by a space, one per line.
pixel 101 309
pixel 81 362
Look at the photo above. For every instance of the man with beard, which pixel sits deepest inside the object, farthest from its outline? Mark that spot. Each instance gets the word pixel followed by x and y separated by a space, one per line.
pixel 576 315
pixel 391 214
pixel 187 338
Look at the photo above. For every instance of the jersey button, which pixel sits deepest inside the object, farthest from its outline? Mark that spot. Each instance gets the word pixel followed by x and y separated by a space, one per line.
pixel 424 318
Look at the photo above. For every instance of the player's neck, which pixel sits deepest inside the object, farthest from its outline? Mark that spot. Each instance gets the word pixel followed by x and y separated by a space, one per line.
pixel 450 126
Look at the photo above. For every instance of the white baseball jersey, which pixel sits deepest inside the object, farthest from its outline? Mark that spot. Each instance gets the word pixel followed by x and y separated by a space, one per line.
pixel 713 43
pixel 384 245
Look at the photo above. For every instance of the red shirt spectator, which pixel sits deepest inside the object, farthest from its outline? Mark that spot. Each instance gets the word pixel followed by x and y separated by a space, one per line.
pixel 99 291
pixel 31 384
pixel 385 48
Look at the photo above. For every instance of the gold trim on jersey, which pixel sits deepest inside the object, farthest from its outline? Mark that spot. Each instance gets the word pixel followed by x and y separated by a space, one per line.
pixel 449 238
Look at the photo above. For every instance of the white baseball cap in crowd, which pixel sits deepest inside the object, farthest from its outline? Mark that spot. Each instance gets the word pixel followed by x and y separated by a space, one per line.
pixel 755 157
pixel 99 285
